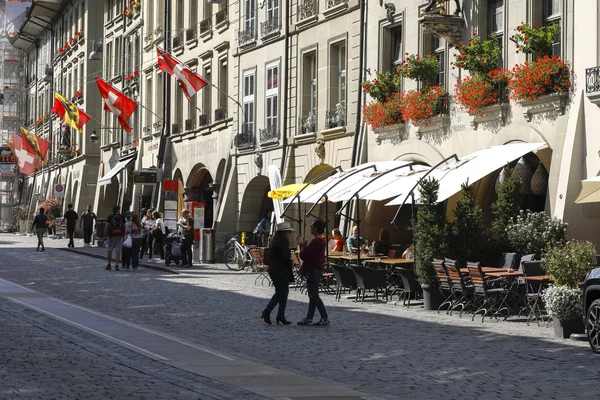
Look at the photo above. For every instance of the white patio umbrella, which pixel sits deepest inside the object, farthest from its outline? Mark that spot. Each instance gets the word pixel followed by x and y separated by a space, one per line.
pixel 590 191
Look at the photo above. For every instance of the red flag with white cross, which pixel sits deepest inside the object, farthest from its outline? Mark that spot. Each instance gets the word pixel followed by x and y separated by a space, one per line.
pixel 189 81
pixel 117 103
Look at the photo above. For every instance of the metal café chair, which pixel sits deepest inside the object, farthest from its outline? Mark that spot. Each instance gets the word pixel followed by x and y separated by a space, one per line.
pixel 370 279
pixel 490 297
pixel 344 280
pixel 535 288
pixel 445 285
pixel 462 289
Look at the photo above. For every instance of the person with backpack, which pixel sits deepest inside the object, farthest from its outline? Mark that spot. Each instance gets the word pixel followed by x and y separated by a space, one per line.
pixel 40 225
pixel 71 217
pixel 116 231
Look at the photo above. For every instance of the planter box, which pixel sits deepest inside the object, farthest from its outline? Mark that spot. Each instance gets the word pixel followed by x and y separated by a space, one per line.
pixel 432 298
pixel 555 102
pixel 438 123
pixel 564 329
pixel 495 113
pixel 392 132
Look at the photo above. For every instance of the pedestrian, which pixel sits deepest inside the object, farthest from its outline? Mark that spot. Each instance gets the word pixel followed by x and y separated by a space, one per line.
pixel 127 243
pixel 144 247
pixel 71 217
pixel 116 230
pixel 40 225
pixel 313 267
pixel 159 233
pixel 150 224
pixel 51 225
pixel 263 229
pixel 88 219
pixel 185 227
pixel 280 272
pixel 136 240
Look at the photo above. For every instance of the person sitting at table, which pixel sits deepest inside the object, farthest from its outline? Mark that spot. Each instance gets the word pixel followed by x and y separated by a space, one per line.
pixel 383 245
pixel 354 242
pixel 410 252
pixel 338 241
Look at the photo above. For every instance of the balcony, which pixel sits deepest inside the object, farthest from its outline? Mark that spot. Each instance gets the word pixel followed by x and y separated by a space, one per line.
pixel 247 37
pixel 245 140
pixel 307 124
pixel 333 7
pixel 308 10
pixel 220 114
pixel 335 3
pixel 221 17
pixel 335 118
pixel 592 85
pixel 205 27
pixel 269 136
pixel 270 28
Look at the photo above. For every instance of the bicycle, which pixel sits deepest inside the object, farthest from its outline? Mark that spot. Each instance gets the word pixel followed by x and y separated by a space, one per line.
pixel 237 257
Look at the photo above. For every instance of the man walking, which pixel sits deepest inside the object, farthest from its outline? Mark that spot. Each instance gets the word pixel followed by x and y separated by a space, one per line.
pixel 39 224
pixel 88 218
pixel 116 230
pixel 71 217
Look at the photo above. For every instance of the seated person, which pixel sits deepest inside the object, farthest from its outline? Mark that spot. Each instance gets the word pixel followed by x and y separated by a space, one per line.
pixel 383 245
pixel 354 242
pixel 338 241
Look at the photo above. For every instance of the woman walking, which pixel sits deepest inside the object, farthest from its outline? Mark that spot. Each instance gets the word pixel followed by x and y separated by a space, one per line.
pixel 136 240
pixel 313 266
pixel 280 270
pixel 40 225
pixel 126 252
pixel 159 233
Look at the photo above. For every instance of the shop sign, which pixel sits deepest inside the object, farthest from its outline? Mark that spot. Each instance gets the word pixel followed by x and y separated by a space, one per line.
pixel 7 156
pixel 145 177
pixel 201 148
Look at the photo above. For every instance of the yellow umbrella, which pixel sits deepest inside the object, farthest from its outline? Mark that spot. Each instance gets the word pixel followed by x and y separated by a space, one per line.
pixel 287 191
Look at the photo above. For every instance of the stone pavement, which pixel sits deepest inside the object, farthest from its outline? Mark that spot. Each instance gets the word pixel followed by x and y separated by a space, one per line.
pixel 381 349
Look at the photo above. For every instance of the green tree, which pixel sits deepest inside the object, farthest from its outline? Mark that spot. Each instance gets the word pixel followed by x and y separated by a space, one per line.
pixel 467 237
pixel 505 209
pixel 428 229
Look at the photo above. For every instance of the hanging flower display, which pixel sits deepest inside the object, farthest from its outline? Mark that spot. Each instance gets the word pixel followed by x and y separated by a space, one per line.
pixel 131 78
pixel 478 56
pixel 136 5
pixel 536 39
pixel 378 114
pixel 544 76
pixel 477 91
pixel 384 86
pixel 419 107
pixel 423 69
pixel 128 12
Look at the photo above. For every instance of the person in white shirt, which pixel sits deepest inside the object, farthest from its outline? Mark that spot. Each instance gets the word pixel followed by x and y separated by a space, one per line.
pixel 158 231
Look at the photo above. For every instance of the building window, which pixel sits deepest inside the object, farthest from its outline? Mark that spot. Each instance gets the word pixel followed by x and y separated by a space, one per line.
pixel 391 39
pixel 552 17
pixel 179 109
pixel 496 22
pixel 337 76
pixel 150 19
pixel 273 10
pixel 249 15
pixel 180 15
pixel 438 48
pixel 193 14
pixel 207 91
pixel 223 82
pixel 271 98
pixel 249 89
pixel 148 123
pixel 309 92
pixel 159 94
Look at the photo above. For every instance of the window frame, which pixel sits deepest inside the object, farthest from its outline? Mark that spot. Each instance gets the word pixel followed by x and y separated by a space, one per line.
pixel 250 15
pixel 249 101
pixel 272 96
pixel 553 19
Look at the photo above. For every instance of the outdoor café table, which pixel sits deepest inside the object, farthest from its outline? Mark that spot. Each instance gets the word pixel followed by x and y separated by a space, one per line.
pixel 542 278
pixel 510 284
pixel 397 261
pixel 486 270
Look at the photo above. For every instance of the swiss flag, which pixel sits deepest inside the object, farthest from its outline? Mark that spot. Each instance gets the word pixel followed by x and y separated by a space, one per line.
pixel 190 82
pixel 27 160
pixel 116 103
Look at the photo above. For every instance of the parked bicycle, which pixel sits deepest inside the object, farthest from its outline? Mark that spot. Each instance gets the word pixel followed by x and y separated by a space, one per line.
pixel 237 257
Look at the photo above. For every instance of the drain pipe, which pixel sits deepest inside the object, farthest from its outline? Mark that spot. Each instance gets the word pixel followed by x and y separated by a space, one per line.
pixel 361 56
pixel 288 22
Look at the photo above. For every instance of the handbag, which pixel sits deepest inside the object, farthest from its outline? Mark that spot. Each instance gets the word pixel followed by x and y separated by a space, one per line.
pixel 128 241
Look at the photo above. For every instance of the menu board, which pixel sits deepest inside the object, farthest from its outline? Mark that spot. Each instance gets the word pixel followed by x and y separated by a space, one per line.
pixel 198 217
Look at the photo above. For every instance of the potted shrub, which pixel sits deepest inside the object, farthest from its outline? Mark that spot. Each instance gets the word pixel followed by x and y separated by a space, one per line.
pixel 504 210
pixel 429 238
pixel 568 264
pixel 52 207
pixel 534 233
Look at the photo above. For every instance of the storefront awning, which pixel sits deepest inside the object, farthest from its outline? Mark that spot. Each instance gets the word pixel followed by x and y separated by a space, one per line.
pixel 342 185
pixel 472 168
pixel 119 166
pixel 590 191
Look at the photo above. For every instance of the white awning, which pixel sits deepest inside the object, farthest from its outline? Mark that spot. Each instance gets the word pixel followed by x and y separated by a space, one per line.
pixel 393 184
pixel 590 191
pixel 119 166
pixel 472 168
pixel 342 185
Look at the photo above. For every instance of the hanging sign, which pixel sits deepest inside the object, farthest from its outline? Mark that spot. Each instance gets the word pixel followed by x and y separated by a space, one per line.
pixel 59 190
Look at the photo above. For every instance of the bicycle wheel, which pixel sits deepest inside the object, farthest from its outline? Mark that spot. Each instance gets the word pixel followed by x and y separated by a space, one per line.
pixel 234 260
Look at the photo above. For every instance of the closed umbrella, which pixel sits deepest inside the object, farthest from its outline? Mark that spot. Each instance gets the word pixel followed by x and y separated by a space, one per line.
pixel 287 191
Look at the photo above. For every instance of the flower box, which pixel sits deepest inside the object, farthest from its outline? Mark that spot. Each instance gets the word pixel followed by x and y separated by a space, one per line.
pixel 390 132
pixel 555 102
pixel 495 113
pixel 564 329
pixel 438 123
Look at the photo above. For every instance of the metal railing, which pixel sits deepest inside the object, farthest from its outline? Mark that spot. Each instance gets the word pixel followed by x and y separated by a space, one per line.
pixel 592 80
pixel 307 8
pixel 246 37
pixel 245 140
pixel 269 135
pixel 269 26
pixel 221 16
pixel 205 26
pixel 335 118
pixel 307 124
pixel 333 3
pixel 220 114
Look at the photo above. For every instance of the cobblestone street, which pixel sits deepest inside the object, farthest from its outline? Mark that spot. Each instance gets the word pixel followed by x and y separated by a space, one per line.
pixel 384 350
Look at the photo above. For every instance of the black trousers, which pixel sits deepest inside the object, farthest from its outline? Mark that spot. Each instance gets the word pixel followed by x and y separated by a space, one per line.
pixel 150 245
pixel 87 235
pixel 159 242
pixel 71 233
pixel 186 249
pixel 282 290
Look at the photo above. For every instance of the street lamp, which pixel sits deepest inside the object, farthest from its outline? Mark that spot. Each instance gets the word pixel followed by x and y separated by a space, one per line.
pixel 93 136
pixel 96 53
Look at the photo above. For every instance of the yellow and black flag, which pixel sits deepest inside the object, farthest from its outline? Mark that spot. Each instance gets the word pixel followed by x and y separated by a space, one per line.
pixel 69 112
